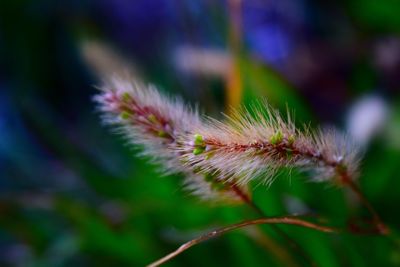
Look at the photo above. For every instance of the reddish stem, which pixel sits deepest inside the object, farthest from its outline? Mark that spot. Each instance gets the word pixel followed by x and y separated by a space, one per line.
pixel 380 226
pixel 140 115
pixel 218 232
pixel 285 146
pixel 246 199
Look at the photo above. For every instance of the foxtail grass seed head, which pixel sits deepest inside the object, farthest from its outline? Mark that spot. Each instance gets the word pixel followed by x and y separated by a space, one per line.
pixel 146 118
pixel 256 146
pixel 217 157
pixel 156 123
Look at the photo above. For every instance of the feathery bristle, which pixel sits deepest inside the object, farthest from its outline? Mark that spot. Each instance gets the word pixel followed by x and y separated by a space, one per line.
pixel 218 158
pixel 256 146
pixel 146 118
pixel 208 188
pixel 156 122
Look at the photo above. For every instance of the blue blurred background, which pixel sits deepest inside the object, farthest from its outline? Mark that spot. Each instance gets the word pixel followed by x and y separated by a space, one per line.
pixel 73 194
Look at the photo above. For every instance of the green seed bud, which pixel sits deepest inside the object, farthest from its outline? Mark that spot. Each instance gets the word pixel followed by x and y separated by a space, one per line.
pixel 198 140
pixel 198 151
pixel 152 118
pixel 276 138
pixel 162 133
pixel 209 156
pixel 291 139
pixel 126 97
pixel 125 115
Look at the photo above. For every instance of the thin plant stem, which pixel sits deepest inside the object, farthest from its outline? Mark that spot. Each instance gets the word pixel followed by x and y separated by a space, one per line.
pixel 276 228
pixel 290 240
pixel 379 224
pixel 221 231
pixel 278 251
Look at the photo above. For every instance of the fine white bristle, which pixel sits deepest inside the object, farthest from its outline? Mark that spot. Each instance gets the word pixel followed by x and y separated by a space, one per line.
pixel 219 159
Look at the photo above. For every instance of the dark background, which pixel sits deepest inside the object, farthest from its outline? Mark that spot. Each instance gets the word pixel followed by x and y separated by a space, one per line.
pixel 73 194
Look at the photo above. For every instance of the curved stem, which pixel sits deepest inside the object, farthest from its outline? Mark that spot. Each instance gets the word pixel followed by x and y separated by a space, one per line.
pixel 379 224
pixel 220 231
pixel 276 228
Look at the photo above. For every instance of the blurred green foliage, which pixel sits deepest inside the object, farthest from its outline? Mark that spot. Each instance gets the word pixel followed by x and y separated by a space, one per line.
pixel 73 194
